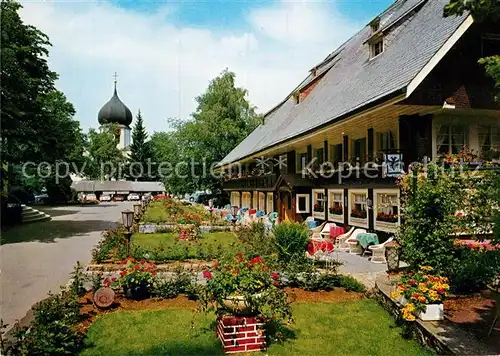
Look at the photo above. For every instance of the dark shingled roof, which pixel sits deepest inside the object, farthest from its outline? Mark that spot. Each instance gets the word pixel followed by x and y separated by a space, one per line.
pixel 115 112
pixel 414 31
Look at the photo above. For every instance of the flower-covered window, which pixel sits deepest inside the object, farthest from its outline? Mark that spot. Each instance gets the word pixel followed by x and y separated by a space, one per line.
pixel 336 203
pixel 358 205
pixel 451 138
pixel 489 138
pixel 387 207
pixel 319 201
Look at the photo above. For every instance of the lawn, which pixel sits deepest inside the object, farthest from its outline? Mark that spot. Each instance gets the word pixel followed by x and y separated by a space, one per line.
pixel 167 246
pixel 156 212
pixel 152 241
pixel 350 328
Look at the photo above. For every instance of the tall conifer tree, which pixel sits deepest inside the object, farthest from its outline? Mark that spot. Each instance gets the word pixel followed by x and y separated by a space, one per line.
pixel 140 153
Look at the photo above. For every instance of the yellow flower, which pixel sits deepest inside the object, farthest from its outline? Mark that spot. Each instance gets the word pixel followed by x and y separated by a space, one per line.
pixel 395 294
pixel 426 268
pixel 433 295
pixel 423 287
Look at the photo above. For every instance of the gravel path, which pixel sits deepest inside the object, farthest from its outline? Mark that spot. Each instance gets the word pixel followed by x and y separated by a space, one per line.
pixel 37 258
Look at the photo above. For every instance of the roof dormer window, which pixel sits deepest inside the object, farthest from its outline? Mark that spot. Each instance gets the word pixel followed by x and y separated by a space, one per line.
pixel 375 25
pixel 376 48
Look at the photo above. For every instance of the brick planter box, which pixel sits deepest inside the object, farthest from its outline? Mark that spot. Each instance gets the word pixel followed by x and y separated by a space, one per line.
pixel 241 334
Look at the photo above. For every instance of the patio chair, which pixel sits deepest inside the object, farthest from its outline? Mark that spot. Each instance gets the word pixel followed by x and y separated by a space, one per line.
pixel 354 246
pixel 325 232
pixel 378 251
pixel 318 229
pixel 273 217
pixel 340 241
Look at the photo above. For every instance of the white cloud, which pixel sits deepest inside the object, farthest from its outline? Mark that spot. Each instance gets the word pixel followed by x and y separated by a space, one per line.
pixel 163 67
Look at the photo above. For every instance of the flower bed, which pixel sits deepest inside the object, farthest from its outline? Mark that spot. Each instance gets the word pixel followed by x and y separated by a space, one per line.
pixel 420 293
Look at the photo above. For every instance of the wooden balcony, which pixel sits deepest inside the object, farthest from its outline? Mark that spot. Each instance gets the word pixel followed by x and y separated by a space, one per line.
pixel 264 182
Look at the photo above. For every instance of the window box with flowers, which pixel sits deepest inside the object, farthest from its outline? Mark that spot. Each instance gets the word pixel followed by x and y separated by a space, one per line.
pixel 358 215
pixel 386 209
pixel 336 209
pixel 319 203
pixel 422 295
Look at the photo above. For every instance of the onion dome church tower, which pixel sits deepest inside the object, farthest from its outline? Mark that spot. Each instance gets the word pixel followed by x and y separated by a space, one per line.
pixel 117 113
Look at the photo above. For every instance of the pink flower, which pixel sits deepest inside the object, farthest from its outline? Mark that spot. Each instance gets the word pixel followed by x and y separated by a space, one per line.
pixel 275 275
pixel 207 274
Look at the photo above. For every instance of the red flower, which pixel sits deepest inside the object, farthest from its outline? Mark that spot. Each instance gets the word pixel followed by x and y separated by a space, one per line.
pixel 136 267
pixel 275 275
pixel 113 279
pixel 276 283
pixel 107 282
pixel 412 282
pixel 256 260
pixel 207 274
pixel 410 274
pixel 441 291
pixel 123 273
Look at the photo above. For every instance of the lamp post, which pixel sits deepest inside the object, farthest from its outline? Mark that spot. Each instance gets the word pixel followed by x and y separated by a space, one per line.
pixel 137 214
pixel 392 252
pixel 127 220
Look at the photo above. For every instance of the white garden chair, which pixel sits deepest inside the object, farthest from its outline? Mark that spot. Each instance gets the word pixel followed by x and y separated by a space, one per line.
pixel 354 246
pixel 340 241
pixel 325 232
pixel 378 251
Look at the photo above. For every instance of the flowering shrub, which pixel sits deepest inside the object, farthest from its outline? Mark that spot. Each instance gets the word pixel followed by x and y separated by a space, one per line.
pixel 136 273
pixel 337 209
pixel 420 289
pixel 247 278
pixel 360 214
pixel 430 199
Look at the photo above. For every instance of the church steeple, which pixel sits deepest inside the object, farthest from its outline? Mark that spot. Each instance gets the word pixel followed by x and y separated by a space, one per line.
pixel 115 111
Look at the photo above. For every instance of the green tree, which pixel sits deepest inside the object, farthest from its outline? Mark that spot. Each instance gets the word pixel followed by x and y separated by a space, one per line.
pixel 25 78
pixel 140 152
pixel 167 151
pixel 104 160
pixel 481 11
pixel 223 118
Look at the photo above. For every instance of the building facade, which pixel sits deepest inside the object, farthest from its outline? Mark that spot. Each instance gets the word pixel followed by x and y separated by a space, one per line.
pixel 406 88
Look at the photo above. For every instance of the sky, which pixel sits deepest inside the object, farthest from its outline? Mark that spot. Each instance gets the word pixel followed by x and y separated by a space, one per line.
pixel 166 53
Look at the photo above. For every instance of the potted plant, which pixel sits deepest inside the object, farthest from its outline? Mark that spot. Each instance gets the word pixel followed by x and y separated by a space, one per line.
pixel 239 285
pixel 422 295
pixel 136 278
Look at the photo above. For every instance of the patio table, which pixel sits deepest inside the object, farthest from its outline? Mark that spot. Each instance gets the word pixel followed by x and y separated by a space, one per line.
pixel 367 239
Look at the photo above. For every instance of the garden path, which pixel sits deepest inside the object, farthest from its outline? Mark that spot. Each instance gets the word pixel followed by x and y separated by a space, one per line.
pixel 37 258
